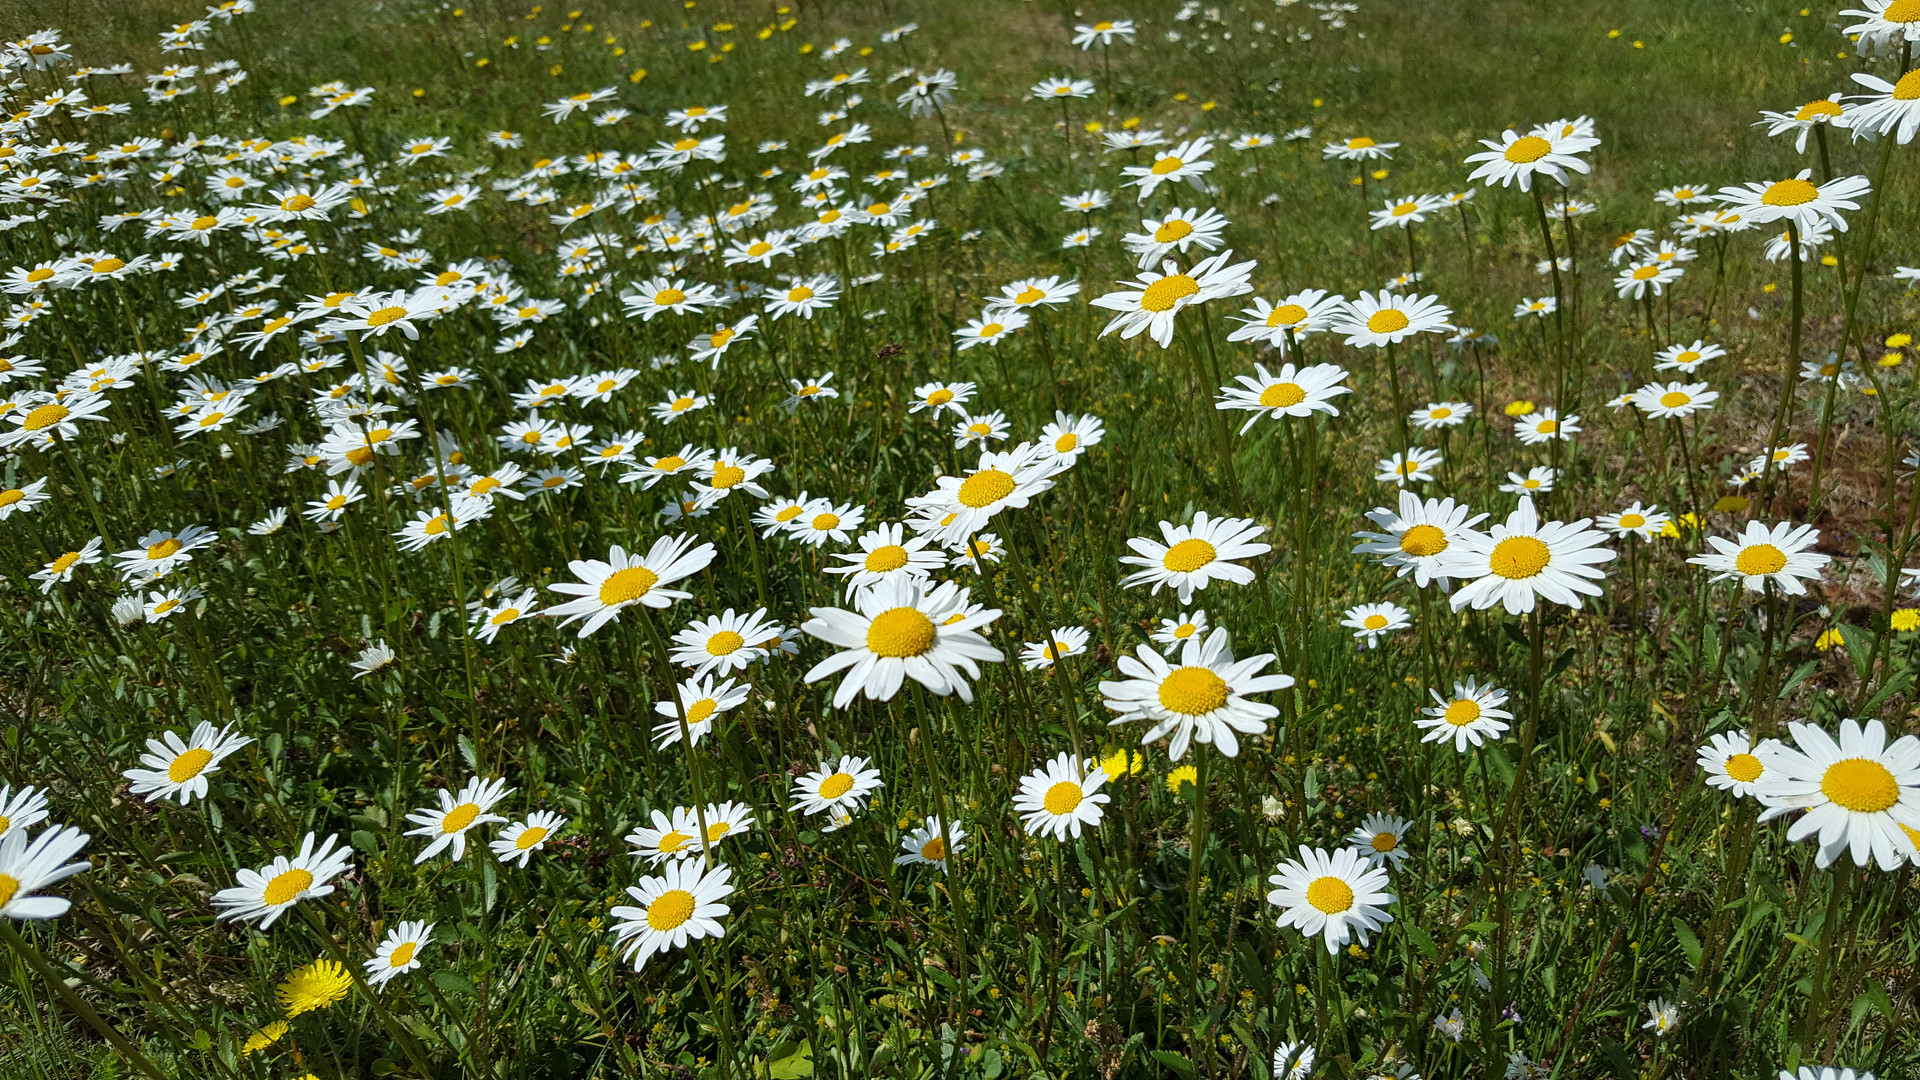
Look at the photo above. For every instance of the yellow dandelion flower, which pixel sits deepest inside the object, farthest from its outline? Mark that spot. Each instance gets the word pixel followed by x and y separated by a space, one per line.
pixel 1828 639
pixel 319 985
pixel 1906 619
pixel 1519 408
pixel 264 1038
pixel 1185 774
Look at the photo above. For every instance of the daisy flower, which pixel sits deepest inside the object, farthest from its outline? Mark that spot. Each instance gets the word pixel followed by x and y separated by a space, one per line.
pixel 1204 698
pixel 1517 159
pixel 1406 212
pixel 1174 632
pixel 448 824
pixel 21 810
pixel 265 894
pixel 488 621
pixel 1470 716
pixel 61 569
pixel 1003 480
pixel 1381 840
pixel 1883 25
pixel 1546 425
pixel 373 657
pixel 1359 148
pixel 1067 436
pixel 938 396
pixel 803 297
pixel 1537 479
pixel 177 768
pixel 701 702
pixel 1293 1061
pixel 519 840
pixel 1061 797
pixel 27 867
pixel 677 404
pixel 671 837
pixel 160 552
pixel 1760 554
pixel 931 844
pixel 888 554
pixel 681 905
pixel 656 469
pixel 1149 304
pixel 1889 109
pixel 1331 895
pixel 1065 641
pixel 990 329
pixel 399 952
pixel 902 630
pixel 1383 318
pixel 1735 765
pixel 727 819
pixel 1186 161
pixel 810 390
pixel 1195 555
pixel 1523 558
pixel 981 430
pixel 1440 414
pixel 1174 233
pixel 1686 358
pixel 1634 281
pixel 1291 392
pixel 1412 467
pixel 1798 200
pixel 1646 522
pixel 728 472
pixel 1859 794
pixel 605 589
pixel 1028 294
pixel 725 643
pixel 1369 621
pixel 1293 318
pixel 1675 399
pixel 839 788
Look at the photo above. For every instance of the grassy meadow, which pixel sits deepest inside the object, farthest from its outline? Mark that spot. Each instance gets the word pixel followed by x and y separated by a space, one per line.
pixel 989 539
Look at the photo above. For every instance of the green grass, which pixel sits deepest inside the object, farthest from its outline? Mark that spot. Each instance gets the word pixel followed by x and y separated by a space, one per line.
pixel 1118 954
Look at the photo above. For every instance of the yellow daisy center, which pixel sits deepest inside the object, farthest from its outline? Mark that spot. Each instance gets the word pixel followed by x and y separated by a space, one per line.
pixel 163 549
pixel 900 632
pixel 1330 895
pixel 60 566
pixel 1063 798
pixel 528 837
pixel 674 841
pixel 1643 273
pixel 108 265
pixel 459 817
pixel 1189 555
pixel 1286 315
pixel 386 315
pixel 11 496
pixel 402 955
pixel 1908 88
pixel 724 643
pixel 1165 165
pixel 1687 356
pixel 986 487
pixel 1173 230
pixel 669 297
pixel 940 397
pixel 670 909
pixel 1790 193
pixel 506 616
pixel 39 274
pixel 934 850
pixel 1528 149
pixel 1519 557
pixel 1193 691
pixel 1387 321
pixel 1756 560
pixel 1282 395
pixel 717 830
pixel 1168 291
pixel 1361 143
pixel 189 765
pixel 286 887
pixel 727 475
pixel 836 785
pixel 1385 841
pixel 1632 521
pixel 1744 768
pixel 700 711
pixel 8 886
pixel 826 522
pixel 1861 785
pixel 626 586
pixel 1030 295
pixel 46 416
pixel 1673 399
pixel 798 294
pixel 1066 443
pixel 1462 712
pixel 1375 622
pixel 887 557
